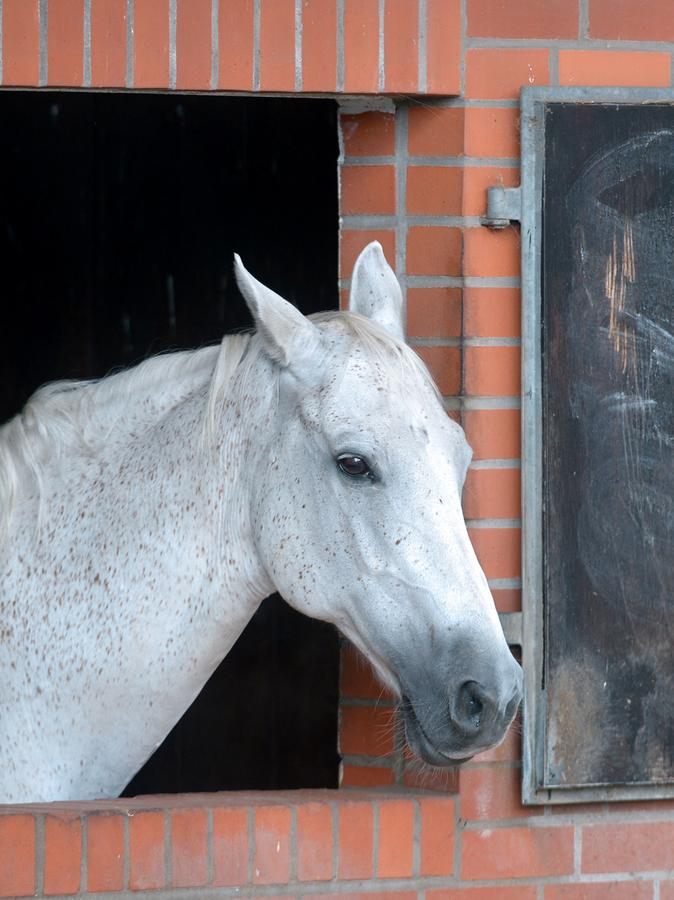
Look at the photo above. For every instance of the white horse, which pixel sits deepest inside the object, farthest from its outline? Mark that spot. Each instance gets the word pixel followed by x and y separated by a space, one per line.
pixel 145 517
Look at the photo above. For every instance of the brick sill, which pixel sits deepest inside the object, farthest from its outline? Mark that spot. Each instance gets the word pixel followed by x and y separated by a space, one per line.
pixel 250 841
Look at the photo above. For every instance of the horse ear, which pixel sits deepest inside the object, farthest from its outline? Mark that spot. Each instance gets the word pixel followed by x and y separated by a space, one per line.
pixel 288 336
pixel 375 291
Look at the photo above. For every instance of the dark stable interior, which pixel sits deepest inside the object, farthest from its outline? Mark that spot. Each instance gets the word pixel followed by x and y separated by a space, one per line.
pixel 119 218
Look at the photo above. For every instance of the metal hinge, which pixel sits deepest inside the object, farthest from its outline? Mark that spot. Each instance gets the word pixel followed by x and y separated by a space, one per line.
pixel 504 205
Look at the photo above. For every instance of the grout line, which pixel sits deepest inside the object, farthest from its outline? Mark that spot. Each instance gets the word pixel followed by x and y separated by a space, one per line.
pixel 86 45
pixel 298 45
pixel 423 65
pixel 215 43
pixel 472 403
pixel 172 44
pixel 209 845
pixel 256 45
pixel 251 844
pixel 583 20
pixel 292 849
pixel 505 584
pixel 401 224
pixel 39 853
pixel 44 63
pixel 493 523
pixel 495 464
pixel 129 44
pixel 381 73
pixel 84 862
pixel 334 818
pixel 576 850
pixel 554 66
pixel 126 852
pixel 168 854
pixel 340 46
pixel 458 830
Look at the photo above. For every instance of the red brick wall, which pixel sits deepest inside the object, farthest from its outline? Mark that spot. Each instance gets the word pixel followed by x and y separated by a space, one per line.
pixel 414 178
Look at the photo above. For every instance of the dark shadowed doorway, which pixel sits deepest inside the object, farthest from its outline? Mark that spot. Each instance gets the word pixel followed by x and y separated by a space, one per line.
pixel 119 217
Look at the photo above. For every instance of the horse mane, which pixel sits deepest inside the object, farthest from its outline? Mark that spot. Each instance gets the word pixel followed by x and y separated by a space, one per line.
pixel 83 414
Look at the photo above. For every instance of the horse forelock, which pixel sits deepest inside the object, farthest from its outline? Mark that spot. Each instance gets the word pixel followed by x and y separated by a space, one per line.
pixel 383 350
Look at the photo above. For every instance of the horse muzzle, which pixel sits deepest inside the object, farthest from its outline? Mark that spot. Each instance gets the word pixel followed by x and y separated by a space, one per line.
pixel 472 722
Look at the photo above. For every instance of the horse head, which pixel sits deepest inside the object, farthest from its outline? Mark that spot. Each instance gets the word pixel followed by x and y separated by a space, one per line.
pixel 356 512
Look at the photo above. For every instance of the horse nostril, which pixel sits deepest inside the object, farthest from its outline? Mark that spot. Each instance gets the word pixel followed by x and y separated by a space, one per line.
pixel 470 705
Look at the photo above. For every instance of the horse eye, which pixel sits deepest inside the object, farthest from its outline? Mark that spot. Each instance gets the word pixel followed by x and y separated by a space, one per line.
pixel 354 466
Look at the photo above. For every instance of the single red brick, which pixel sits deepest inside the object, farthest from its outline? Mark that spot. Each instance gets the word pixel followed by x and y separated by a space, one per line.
pixel 607 890
pixel 193 45
pixel 633 847
pixel 434 190
pixel 478 179
pixel 21 42
pixel 491 253
pixel 396 838
pixel 357 678
pixel 500 73
pixel 433 312
pixel 368 134
pixel 443 46
pixel 17 856
pixel 437 836
pixel 230 847
pixel 367 730
pixel 354 776
pixel 492 371
pixel 485 893
pixel 352 242
pixel 235 45
pixel 647 20
pixel 65 43
pixel 271 864
pixel 524 19
pixel 493 433
pixel 189 847
pixel 368 189
pixel 444 364
pixel 355 840
pixel 507 600
pixel 614 67
pixel 314 842
pixel 498 551
pixel 492 312
pixel 150 44
pixel 667 890
pixel 434 251
pixel 277 45
pixel 319 45
pixel 435 131
pixel 361 46
pixel 492 132
pixel 493 793
pixel 401 46
pixel 105 852
pixel 146 850
pixel 108 43
pixel 493 853
pixel 62 854
pixel 492 494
